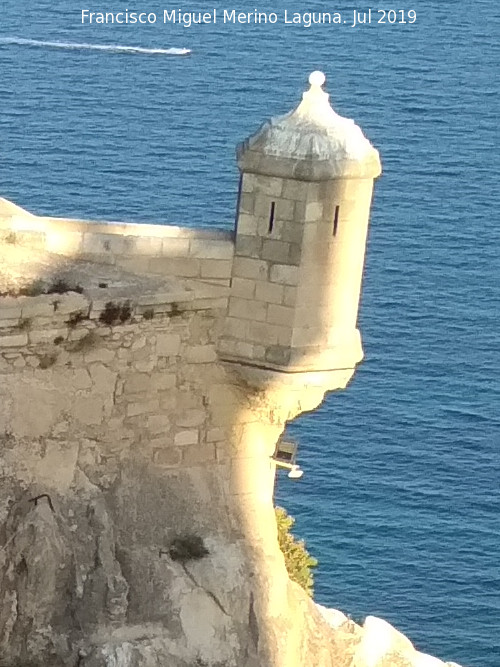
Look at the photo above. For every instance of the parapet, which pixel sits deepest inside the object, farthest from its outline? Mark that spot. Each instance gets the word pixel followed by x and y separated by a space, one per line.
pixel 185 252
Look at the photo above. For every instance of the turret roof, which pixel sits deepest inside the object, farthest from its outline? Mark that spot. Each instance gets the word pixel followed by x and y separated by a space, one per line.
pixel 312 142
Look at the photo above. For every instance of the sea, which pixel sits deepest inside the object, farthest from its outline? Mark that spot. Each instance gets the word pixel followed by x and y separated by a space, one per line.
pixel 400 497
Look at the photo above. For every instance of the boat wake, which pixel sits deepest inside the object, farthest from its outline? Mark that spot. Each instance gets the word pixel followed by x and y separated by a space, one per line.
pixel 111 48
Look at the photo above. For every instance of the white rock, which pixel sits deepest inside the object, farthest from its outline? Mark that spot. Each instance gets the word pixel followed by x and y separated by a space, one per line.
pixel 424 660
pixel 379 639
pixel 333 617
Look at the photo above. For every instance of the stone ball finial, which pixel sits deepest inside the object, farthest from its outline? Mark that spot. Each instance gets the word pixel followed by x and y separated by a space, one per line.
pixel 317 78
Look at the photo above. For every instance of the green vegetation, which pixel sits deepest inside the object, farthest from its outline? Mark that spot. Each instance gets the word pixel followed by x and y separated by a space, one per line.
pixel 299 562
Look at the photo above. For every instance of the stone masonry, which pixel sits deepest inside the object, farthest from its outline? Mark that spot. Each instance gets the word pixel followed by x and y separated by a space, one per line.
pixel 146 374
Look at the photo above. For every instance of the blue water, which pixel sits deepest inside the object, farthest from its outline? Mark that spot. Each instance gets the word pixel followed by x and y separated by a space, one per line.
pixel 400 499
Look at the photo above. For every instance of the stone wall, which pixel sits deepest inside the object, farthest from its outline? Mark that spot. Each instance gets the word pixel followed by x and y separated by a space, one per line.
pixel 125 442
pixel 136 516
pixel 185 252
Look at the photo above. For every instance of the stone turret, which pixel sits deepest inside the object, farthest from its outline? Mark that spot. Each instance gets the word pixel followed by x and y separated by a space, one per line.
pixel 302 218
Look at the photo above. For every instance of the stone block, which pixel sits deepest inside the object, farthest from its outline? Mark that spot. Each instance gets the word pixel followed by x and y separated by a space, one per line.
pixel 293 233
pixel 295 190
pixel 278 227
pixel 269 292
pixel 88 410
pixel 9 324
pixel 31 239
pixel 77 379
pixel 247 224
pixel 193 455
pixel 206 249
pixel 143 245
pixel 295 254
pixel 14 340
pixel 304 336
pixel 290 296
pixel 158 423
pixel 142 408
pixel 269 185
pixel 242 349
pixel 137 383
pixel 248 246
pixel 103 379
pixel 282 315
pixel 266 334
pixel 278 355
pixel 284 274
pixel 144 366
pixel 168 344
pixel 191 417
pixel 216 434
pixel 247 202
pixel 10 308
pixel 134 264
pixel 275 251
pixel 162 381
pixel 215 268
pixel 314 211
pixel 200 354
pixel 248 183
pixel 285 209
pixel 243 287
pixel 299 213
pixel 253 269
pixel 263 206
pixel 175 247
pixel 247 309
pixel 72 302
pixel 44 336
pixel 183 267
pixel 219 303
pixel 102 354
pixel 63 242
pixel 227 347
pixel 39 306
pixel 101 244
pixel 168 457
pixel 186 437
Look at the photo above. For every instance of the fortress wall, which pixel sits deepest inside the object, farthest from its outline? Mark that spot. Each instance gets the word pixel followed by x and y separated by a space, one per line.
pixel 185 252
pixel 123 445
pixel 121 430
pixel 118 439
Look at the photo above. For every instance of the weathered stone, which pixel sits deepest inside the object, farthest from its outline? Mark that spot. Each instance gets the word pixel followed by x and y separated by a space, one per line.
pixel 198 455
pixel 169 456
pixel 186 437
pixel 284 274
pixel 168 344
pixel 14 340
pixel 200 354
